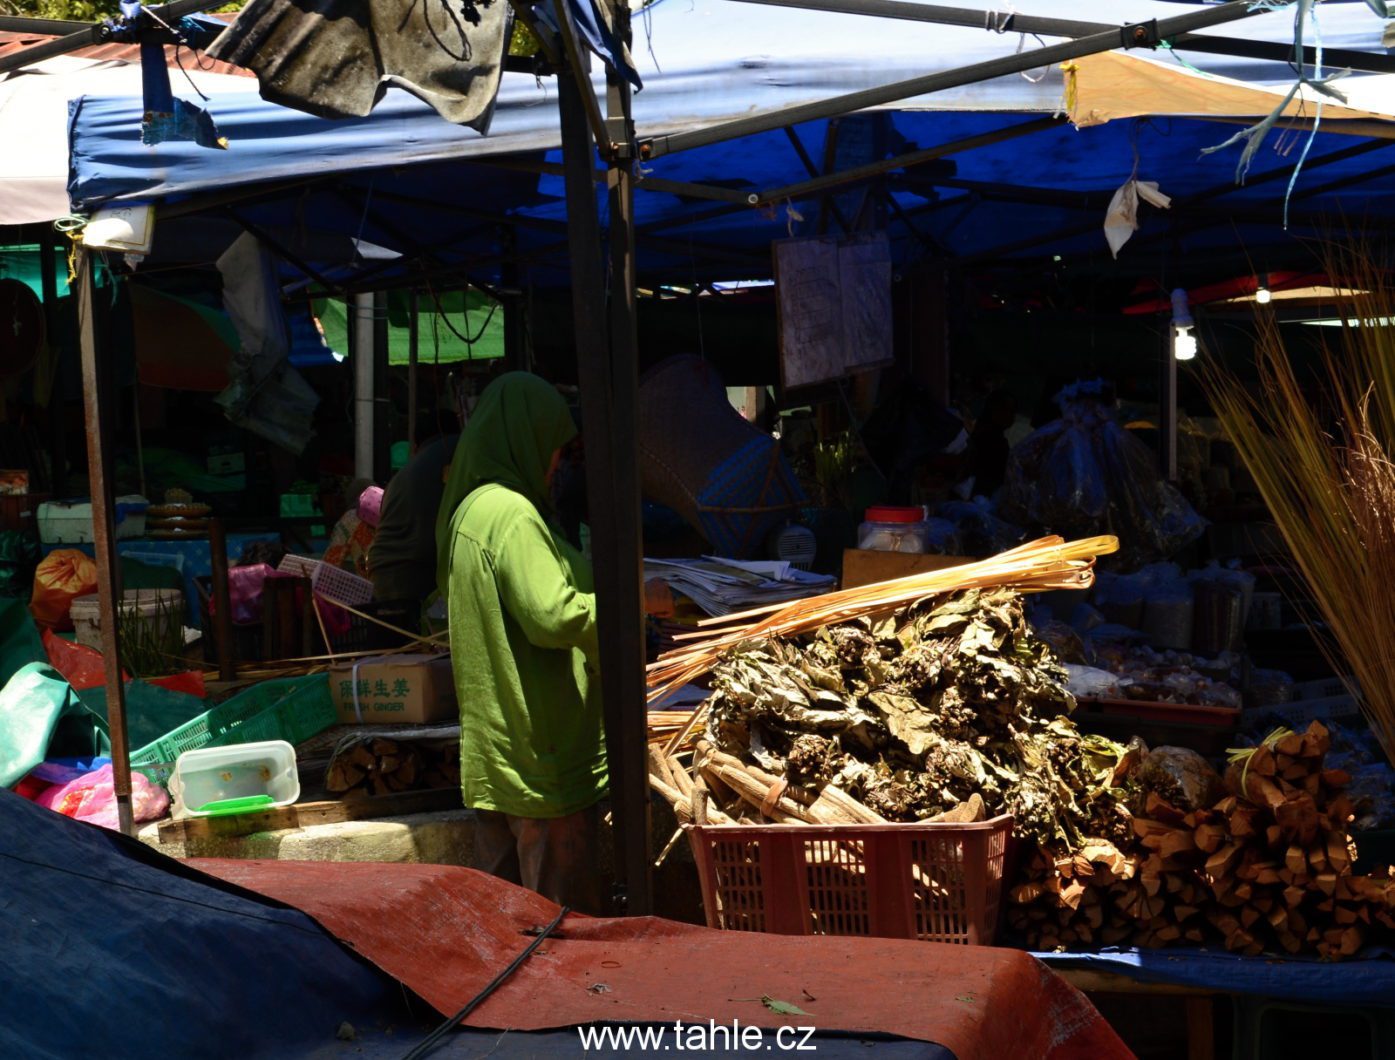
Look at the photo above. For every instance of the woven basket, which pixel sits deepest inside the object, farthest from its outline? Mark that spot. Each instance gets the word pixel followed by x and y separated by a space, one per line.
pixel 728 479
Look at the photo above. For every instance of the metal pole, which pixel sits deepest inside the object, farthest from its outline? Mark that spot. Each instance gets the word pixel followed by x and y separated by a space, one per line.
pixel 627 624
pixel 222 630
pixel 612 503
pixel 1011 22
pixel 413 351
pixel 58 435
pixel 93 34
pixel 362 307
pixel 1140 35
pixel 104 542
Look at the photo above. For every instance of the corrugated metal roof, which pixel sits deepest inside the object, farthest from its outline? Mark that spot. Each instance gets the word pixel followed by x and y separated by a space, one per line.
pixel 10 43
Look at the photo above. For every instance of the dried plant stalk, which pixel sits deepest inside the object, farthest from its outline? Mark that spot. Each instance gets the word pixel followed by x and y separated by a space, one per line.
pixel 1320 453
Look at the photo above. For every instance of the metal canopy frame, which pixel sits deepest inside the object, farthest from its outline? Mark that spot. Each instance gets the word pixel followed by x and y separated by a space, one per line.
pixel 1012 22
pixel 1145 34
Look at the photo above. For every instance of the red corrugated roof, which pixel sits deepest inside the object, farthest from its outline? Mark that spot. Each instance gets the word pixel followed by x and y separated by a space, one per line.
pixel 122 53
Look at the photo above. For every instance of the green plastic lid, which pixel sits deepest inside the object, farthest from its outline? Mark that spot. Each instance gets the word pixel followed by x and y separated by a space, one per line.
pixel 228 807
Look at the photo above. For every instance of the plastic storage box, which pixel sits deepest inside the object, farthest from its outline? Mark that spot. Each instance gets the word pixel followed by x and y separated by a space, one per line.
pixel 933 882
pixel 219 780
pixel 70 522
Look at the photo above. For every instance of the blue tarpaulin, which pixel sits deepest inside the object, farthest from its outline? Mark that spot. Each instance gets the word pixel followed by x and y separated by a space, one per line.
pixel 1368 980
pixel 114 950
pixel 405 179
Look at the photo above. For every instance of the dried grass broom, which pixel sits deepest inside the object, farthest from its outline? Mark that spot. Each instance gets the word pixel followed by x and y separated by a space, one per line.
pixel 1320 453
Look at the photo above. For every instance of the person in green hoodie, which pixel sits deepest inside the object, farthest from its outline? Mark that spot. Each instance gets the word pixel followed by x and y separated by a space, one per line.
pixel 522 613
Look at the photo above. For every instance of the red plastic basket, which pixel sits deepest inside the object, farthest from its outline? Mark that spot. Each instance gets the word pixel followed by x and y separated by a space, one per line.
pixel 934 882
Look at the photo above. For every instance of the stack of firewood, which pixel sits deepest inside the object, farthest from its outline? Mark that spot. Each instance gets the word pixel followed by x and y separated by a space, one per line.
pixel 1266 868
pixel 381 766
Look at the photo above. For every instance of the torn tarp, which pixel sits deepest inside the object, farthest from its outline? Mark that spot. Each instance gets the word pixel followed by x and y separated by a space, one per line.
pixel 266 396
pixel 336 58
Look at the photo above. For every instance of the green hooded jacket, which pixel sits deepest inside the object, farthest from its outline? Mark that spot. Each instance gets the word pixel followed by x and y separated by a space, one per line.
pixel 522 614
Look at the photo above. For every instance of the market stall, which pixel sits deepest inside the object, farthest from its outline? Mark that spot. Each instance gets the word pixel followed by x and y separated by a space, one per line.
pixel 839 718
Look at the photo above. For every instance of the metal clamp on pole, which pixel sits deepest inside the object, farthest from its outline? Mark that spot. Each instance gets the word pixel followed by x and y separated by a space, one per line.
pixel 1140 34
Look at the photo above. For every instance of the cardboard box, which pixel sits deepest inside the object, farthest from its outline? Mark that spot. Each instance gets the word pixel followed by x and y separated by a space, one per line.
pixel 393 689
pixel 864 566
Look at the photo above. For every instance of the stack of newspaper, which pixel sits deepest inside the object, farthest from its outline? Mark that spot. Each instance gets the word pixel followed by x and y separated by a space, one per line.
pixel 726 586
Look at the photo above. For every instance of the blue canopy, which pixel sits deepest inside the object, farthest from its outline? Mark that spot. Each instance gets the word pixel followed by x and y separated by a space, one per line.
pixel 406 180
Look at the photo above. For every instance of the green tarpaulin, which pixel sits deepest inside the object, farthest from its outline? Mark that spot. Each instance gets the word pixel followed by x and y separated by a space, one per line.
pixel 471 313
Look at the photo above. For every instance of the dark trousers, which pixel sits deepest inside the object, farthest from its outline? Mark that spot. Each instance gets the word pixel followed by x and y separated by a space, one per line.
pixel 554 856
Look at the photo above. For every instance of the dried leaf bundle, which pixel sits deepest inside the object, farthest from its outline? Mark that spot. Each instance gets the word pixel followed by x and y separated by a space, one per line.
pixel 917 712
pixel 1039 566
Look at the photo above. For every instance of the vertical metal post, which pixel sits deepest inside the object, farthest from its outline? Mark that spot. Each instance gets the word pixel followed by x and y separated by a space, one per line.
pixel 222 630
pixel 362 335
pixel 413 351
pixel 608 386
pixel 628 542
pixel 382 431
pixel 58 434
pixel 1167 406
pixel 104 541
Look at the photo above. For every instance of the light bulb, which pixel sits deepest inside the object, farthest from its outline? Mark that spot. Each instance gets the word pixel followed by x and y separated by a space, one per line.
pixel 1262 294
pixel 1183 343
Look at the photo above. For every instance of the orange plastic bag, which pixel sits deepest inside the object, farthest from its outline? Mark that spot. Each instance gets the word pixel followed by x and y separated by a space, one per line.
pixel 83 668
pixel 62 577
pixel 80 665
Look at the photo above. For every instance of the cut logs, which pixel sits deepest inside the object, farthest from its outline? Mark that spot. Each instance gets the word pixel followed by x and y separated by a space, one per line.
pixel 1267 868
pixel 381 766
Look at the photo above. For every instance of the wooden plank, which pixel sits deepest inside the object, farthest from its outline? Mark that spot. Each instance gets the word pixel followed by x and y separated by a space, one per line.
pixel 867 567
pixel 307 814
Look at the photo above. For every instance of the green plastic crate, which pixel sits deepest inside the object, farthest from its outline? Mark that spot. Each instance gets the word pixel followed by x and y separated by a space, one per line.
pixel 291 709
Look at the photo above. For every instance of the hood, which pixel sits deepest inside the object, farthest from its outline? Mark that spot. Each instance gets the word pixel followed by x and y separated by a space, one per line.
pixel 519 422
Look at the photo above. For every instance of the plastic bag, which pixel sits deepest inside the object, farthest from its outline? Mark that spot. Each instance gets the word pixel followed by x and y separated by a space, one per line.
pixel 85 668
pixel 92 798
pixel 81 666
pixel 981 533
pixel 1085 682
pixel 1181 776
pixel 62 577
pixel 1084 474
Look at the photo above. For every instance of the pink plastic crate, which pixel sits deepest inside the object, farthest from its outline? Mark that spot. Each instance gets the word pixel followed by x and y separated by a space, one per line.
pixel 934 882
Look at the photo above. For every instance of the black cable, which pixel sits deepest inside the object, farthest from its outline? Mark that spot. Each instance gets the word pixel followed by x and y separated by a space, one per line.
pixel 445 1028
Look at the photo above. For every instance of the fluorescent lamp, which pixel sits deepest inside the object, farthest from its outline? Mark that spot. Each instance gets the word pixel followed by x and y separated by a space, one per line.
pixel 1183 342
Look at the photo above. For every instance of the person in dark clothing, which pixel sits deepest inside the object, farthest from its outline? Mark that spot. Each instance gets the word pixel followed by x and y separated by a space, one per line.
pixel 988 445
pixel 402 562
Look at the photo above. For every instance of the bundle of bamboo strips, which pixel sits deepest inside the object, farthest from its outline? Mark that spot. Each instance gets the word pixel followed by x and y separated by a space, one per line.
pixel 1320 451
pixel 1268 867
pixel 1039 566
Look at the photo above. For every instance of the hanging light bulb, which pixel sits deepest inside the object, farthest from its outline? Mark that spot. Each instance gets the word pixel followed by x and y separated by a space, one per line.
pixel 1262 293
pixel 1183 343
